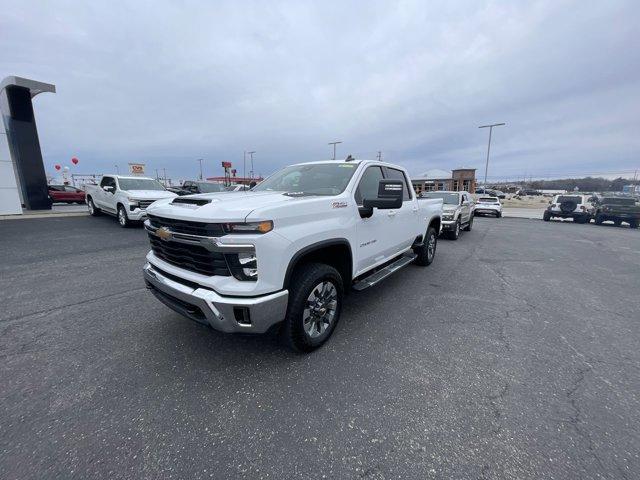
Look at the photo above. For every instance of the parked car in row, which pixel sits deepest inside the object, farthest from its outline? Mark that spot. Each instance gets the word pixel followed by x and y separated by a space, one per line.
pixel 491 192
pixel 573 206
pixel 66 194
pixel 488 206
pixel 617 210
pixel 125 197
pixel 284 253
pixel 457 211
pixel 190 187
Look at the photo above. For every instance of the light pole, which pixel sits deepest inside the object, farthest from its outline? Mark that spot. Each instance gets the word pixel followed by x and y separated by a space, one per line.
pixel 200 160
pixel 117 170
pixel 334 148
pixel 486 167
pixel 251 155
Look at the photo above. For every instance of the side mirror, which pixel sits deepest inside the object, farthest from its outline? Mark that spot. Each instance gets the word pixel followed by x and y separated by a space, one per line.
pixel 389 197
pixel 108 188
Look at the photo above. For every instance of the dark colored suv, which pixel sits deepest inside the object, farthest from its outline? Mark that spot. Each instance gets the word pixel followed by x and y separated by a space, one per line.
pixel 617 210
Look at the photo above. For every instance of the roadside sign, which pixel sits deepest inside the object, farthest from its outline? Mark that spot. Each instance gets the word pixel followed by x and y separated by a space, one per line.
pixel 136 168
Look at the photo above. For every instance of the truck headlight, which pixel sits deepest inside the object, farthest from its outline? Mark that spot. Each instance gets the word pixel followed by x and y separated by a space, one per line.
pixel 132 201
pixel 243 266
pixel 249 227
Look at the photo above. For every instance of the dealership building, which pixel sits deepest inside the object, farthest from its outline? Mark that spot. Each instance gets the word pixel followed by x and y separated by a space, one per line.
pixel 458 179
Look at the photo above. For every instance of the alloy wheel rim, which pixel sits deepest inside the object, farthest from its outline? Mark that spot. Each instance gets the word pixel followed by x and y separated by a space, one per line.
pixel 90 207
pixel 431 246
pixel 320 309
pixel 121 217
pixel 457 229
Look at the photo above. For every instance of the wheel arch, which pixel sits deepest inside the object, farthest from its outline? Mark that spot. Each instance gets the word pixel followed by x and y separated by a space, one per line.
pixel 436 222
pixel 335 252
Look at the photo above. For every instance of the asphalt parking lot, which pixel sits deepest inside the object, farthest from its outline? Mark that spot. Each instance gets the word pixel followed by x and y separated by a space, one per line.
pixel 515 355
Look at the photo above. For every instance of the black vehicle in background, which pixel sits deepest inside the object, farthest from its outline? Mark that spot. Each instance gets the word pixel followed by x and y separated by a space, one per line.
pixel 190 187
pixel 617 210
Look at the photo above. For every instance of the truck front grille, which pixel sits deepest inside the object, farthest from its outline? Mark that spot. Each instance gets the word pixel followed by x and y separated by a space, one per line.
pixel 190 257
pixel 145 203
pixel 188 227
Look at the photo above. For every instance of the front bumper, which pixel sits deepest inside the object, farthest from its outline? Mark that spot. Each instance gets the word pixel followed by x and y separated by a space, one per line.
pixel 448 224
pixel 138 214
pixel 227 314
pixel 486 211
pixel 561 214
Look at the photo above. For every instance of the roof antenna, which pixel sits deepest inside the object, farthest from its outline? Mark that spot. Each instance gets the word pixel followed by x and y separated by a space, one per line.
pixel 349 158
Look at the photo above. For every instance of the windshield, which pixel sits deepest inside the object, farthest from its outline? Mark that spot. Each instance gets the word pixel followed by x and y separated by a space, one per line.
pixel 310 179
pixel 206 187
pixel 569 198
pixel 139 184
pixel 488 200
pixel 447 198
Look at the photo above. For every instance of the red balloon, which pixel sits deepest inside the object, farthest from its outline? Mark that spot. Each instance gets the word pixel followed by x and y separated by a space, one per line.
pixel 74 160
pixel 57 167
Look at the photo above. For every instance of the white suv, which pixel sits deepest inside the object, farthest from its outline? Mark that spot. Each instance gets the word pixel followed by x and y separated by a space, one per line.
pixel 574 206
pixel 488 206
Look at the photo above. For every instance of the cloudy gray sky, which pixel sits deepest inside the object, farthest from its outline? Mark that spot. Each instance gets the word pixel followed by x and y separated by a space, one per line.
pixel 169 82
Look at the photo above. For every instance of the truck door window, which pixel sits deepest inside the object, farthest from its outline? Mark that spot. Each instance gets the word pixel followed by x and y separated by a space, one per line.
pixel 368 186
pixel 394 174
pixel 105 181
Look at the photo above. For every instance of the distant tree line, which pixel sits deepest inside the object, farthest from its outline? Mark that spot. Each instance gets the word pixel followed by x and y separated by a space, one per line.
pixel 586 184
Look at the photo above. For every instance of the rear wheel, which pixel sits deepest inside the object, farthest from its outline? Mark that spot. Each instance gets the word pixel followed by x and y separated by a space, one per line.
pixel 427 251
pixel 499 215
pixel 546 216
pixel 633 223
pixel 599 219
pixel 315 302
pixel 123 220
pixel 93 210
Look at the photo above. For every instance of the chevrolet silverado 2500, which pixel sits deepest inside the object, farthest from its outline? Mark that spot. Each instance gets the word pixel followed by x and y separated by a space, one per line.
pixel 125 197
pixel 285 252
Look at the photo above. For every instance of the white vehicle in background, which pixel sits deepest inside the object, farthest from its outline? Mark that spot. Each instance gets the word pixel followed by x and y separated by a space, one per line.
pixel 285 252
pixel 488 206
pixel 237 188
pixel 125 197
pixel 573 206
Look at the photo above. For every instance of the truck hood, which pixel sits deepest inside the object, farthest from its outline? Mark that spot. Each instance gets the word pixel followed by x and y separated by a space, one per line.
pixel 149 194
pixel 225 206
pixel 449 208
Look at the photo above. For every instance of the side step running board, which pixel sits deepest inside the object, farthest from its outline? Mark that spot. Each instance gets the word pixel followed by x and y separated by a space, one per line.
pixel 383 273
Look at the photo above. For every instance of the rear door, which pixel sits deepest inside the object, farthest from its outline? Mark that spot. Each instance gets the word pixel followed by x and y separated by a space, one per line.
pixel 465 208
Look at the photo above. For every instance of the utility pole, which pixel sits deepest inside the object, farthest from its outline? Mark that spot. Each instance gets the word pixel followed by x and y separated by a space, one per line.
pixel 244 165
pixel 200 160
pixel 486 167
pixel 251 155
pixel 334 148
pixel 157 176
pixel 164 170
pixel 117 170
pixel 379 156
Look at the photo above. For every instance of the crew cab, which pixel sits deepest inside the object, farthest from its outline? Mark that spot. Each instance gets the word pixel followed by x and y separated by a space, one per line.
pixel 617 210
pixel 283 254
pixel 488 206
pixel 573 206
pixel 457 211
pixel 125 197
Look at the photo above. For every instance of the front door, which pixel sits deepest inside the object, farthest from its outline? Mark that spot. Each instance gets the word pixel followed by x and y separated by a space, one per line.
pixel 375 241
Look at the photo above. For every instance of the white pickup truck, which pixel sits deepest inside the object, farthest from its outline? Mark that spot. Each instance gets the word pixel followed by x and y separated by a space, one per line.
pixel 125 197
pixel 285 252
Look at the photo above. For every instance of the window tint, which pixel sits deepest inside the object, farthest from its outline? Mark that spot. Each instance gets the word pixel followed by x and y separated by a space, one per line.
pixel 71 189
pixel 368 186
pixel 107 182
pixel 394 174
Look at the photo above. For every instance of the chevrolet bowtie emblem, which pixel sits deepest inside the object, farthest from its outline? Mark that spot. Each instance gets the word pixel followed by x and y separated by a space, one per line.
pixel 164 233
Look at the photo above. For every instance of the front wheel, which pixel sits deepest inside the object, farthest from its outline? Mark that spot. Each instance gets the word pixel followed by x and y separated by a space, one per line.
pixel 633 223
pixel 455 233
pixel 315 302
pixel 123 220
pixel 599 219
pixel 427 251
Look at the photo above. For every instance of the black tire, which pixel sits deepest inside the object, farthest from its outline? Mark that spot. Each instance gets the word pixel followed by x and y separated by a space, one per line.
pixel 123 220
pixel 546 216
pixel 617 223
pixel 305 280
pixel 469 225
pixel 93 210
pixel 427 252
pixel 499 215
pixel 599 219
pixel 633 223
pixel 455 233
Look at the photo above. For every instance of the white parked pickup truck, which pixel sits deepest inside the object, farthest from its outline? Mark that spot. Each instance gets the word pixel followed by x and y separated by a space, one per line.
pixel 285 252
pixel 125 197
